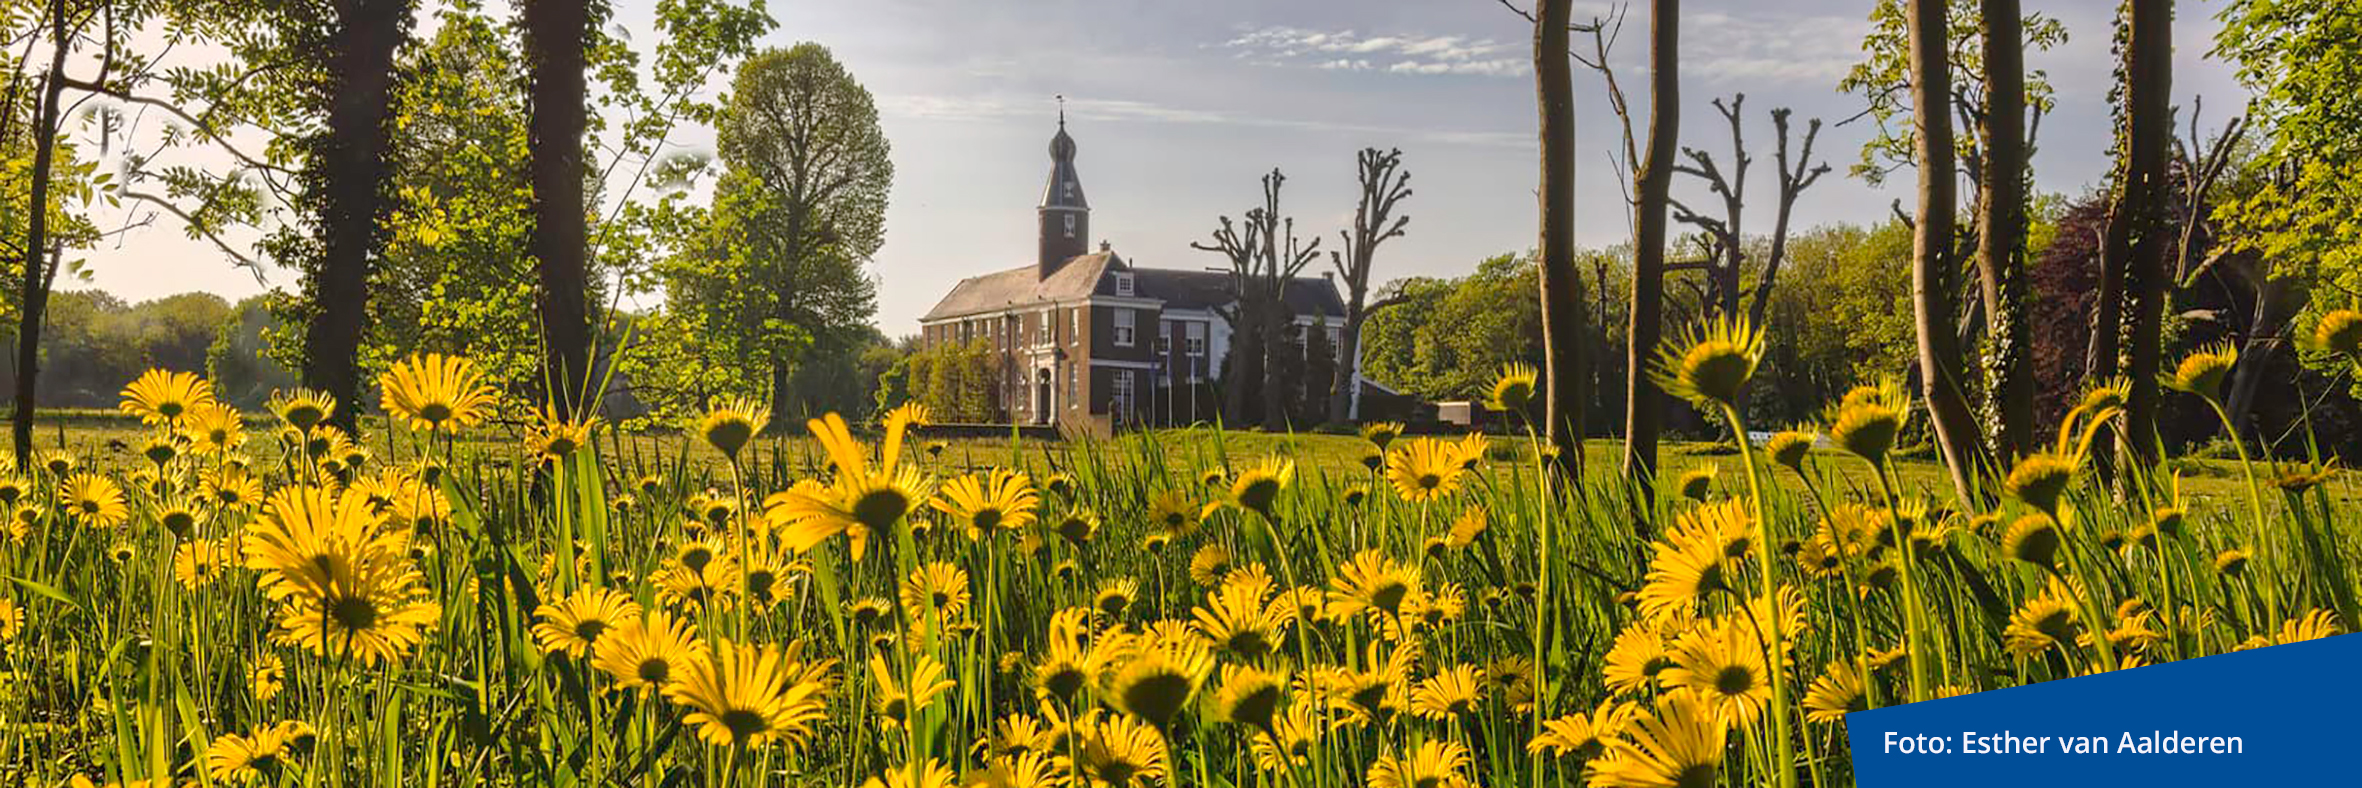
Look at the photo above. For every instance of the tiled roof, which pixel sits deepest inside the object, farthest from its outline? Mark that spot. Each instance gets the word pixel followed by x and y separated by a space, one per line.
pixel 1080 277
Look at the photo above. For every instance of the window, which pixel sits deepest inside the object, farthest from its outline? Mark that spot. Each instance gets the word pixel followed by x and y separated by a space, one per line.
pixel 1196 339
pixel 1066 191
pixel 1123 327
pixel 1072 371
pixel 1334 343
pixel 1119 394
pixel 1123 285
pixel 1070 225
pixel 1164 338
pixel 1074 322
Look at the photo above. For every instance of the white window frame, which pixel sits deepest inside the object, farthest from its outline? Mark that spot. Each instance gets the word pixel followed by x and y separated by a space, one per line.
pixel 1125 327
pixel 1119 392
pixel 1195 337
pixel 1123 285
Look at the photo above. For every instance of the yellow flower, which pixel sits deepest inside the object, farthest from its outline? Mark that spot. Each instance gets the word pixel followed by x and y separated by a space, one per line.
pixel 2040 479
pixel 1236 618
pixel 1449 694
pixel 2203 371
pixel 1380 433
pixel 1585 735
pixel 343 586
pixel 436 392
pixel 900 701
pixel 1371 582
pixel 1435 764
pixel 749 696
pixel 938 586
pixel 933 774
pixel 1155 680
pixel 2044 621
pixel 213 429
pixel 2339 331
pixel 1723 662
pixel 1679 745
pixel 1210 565
pixel 1467 528
pixel 1173 512
pixel 1711 362
pixel 302 408
pixel 1696 483
pixel 1790 448
pixel 1870 418
pixel 643 654
pixel 198 562
pixel 1837 692
pixel 573 626
pixel 2033 539
pixel 95 500
pixel 12 620
pixel 987 503
pixel 1258 488
pixel 1249 697
pixel 1513 389
pixel 162 397
pixel 862 499
pixel 556 437
pixel 1297 732
pixel 233 758
pixel 1424 469
pixel 1115 751
pixel 268 676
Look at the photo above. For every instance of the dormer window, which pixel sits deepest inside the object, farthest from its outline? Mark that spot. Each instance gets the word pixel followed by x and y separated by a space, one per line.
pixel 1123 284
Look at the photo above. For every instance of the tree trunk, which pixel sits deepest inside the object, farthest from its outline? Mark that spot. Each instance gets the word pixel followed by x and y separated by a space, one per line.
pixel 355 174
pixel 1348 385
pixel 1652 187
pixel 1276 331
pixel 2148 69
pixel 554 35
pixel 1245 357
pixel 37 279
pixel 1561 282
pixel 2001 236
pixel 1932 288
pixel 2255 354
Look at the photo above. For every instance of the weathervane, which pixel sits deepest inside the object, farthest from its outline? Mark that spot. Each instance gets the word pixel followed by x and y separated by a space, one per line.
pixel 1062 110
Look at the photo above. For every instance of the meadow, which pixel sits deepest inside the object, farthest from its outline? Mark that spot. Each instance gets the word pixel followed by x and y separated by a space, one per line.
pixel 480 594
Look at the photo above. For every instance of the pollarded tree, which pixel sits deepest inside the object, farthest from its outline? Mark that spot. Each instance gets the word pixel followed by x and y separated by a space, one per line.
pixel 1383 185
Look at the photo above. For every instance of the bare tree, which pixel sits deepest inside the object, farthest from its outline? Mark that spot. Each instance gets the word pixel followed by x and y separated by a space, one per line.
pixel 1724 265
pixel 2201 166
pixel 1383 185
pixel 1652 185
pixel 1283 257
pixel 1237 242
pixel 1933 277
pixel 1561 281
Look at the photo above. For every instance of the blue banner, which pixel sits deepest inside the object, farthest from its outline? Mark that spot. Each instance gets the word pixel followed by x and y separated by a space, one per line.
pixel 2258 717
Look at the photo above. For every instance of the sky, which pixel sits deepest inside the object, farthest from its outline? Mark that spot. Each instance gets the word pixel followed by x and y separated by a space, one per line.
pixel 1177 108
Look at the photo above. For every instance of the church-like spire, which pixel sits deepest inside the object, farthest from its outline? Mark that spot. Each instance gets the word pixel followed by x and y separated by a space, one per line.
pixel 1064 215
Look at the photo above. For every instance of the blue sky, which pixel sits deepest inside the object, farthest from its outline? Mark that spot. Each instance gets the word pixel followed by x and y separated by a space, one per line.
pixel 1178 107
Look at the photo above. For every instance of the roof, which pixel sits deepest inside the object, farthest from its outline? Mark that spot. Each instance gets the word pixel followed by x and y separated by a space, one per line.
pixel 1016 287
pixel 1080 277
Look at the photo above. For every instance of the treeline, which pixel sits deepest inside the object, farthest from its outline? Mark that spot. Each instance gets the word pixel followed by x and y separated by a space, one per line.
pixel 95 343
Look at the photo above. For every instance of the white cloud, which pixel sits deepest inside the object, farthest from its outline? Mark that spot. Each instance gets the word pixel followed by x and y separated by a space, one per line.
pixel 984 108
pixel 1345 50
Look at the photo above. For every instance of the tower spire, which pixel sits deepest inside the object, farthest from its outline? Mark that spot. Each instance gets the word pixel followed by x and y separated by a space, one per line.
pixel 1061 112
pixel 1065 217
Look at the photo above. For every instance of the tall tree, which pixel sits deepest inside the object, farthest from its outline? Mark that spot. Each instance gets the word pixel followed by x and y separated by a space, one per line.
pixel 556 36
pixel 1933 281
pixel 1383 185
pixel 2001 235
pixel 1242 367
pixel 810 172
pixel 1561 282
pixel 1652 191
pixel 39 272
pixel 2138 236
pixel 1283 256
